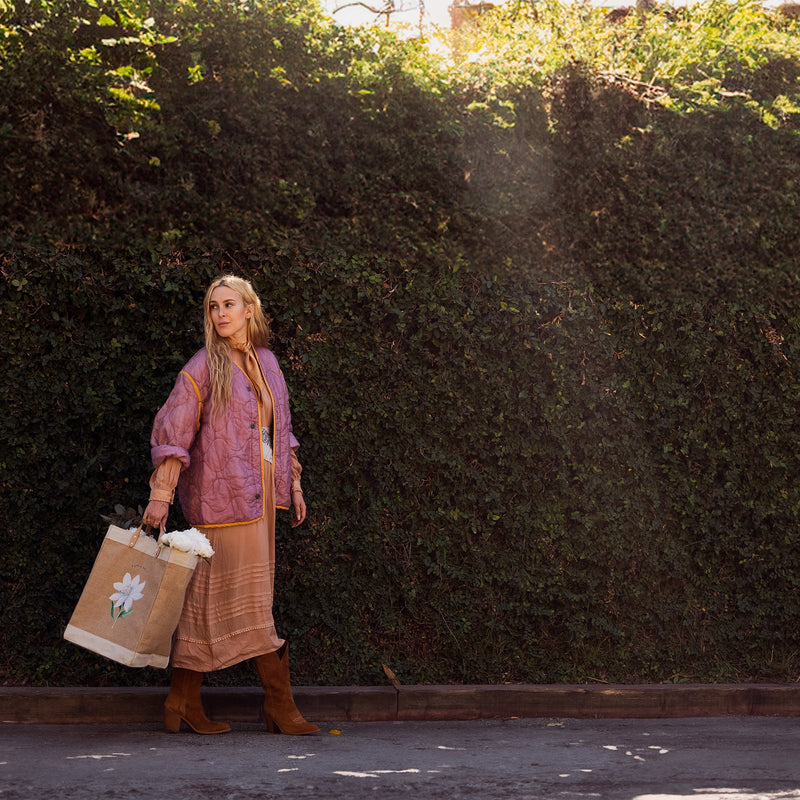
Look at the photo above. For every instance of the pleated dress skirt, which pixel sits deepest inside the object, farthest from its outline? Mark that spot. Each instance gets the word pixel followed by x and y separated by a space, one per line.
pixel 227 612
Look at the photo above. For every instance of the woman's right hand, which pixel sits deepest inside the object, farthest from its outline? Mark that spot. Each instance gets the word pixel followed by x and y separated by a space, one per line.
pixel 156 514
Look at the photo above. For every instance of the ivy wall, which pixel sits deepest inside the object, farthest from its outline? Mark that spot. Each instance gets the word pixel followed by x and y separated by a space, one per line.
pixel 540 332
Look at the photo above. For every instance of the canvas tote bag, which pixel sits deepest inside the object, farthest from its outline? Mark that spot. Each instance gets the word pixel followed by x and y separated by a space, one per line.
pixel 131 603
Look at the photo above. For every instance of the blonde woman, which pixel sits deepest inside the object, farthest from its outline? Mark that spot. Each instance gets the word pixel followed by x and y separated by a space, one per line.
pixel 224 438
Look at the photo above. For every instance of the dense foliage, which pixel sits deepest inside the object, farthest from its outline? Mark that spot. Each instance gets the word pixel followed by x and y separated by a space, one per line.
pixel 536 301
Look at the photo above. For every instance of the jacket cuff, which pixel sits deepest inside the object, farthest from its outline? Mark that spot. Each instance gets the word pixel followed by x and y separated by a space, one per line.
pixel 161 452
pixel 162 495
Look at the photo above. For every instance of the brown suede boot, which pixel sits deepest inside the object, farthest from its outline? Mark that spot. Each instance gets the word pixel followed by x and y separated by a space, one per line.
pixel 280 712
pixel 183 703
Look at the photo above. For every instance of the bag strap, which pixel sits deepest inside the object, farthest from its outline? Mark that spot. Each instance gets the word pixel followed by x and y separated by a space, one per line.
pixel 135 535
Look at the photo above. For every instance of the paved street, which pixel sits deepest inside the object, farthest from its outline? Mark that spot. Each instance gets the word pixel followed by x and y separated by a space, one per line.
pixel 723 758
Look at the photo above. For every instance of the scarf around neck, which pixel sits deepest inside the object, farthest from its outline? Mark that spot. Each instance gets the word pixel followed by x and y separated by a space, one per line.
pixel 251 365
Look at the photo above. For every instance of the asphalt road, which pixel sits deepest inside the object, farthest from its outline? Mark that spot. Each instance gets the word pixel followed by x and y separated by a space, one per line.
pixel 723 758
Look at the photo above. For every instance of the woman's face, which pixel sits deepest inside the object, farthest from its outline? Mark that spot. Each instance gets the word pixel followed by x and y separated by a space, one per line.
pixel 229 314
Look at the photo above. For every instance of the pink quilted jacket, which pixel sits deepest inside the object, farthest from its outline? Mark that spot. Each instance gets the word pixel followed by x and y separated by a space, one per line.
pixel 221 479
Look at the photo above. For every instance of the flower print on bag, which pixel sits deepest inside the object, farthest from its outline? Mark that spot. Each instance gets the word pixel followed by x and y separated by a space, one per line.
pixel 128 590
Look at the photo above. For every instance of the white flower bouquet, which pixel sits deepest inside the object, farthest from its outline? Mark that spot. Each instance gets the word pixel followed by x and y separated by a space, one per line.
pixel 190 541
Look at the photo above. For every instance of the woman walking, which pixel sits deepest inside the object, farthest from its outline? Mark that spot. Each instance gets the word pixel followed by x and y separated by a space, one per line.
pixel 224 439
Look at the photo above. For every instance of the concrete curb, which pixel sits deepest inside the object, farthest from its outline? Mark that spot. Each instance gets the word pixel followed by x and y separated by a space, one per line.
pixel 412 703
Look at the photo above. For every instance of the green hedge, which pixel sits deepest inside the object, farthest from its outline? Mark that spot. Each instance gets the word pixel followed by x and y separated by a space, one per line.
pixel 542 365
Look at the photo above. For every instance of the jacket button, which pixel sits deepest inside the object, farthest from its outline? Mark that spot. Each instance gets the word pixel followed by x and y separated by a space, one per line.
pixel 258 497
pixel 252 424
pixel 249 388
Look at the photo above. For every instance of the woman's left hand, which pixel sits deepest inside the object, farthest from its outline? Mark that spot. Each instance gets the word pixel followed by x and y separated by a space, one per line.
pixel 299 509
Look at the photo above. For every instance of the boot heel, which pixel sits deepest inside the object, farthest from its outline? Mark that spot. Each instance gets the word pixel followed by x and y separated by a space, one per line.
pixel 272 726
pixel 172 721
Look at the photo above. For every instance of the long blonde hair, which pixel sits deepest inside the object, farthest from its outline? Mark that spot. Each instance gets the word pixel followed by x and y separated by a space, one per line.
pixel 218 351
